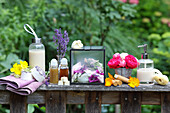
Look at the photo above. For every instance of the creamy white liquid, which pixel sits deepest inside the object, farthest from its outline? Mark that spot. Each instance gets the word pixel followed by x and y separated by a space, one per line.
pixel 145 74
pixel 37 58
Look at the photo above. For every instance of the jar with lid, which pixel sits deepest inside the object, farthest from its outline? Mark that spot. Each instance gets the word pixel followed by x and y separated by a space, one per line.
pixel 64 68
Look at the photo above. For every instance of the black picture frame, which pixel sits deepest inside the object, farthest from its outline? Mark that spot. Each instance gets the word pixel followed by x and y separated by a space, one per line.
pixel 87 48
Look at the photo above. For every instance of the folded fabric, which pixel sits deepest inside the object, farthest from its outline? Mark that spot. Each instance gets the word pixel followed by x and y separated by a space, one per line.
pixel 19 86
pixel 26 90
pixel 15 82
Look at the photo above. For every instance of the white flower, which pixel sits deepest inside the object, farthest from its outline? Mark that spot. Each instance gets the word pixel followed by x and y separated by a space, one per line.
pixel 123 55
pixel 77 44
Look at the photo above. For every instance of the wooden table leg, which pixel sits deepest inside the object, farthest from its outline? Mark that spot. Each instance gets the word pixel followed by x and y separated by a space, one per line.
pixel 93 102
pixel 18 103
pixel 165 102
pixel 55 102
pixel 130 102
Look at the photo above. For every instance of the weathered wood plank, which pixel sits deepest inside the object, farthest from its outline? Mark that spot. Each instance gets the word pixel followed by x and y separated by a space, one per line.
pixel 110 97
pixel 123 87
pixel 151 98
pixel 75 97
pixel 55 102
pixel 93 102
pixel 165 102
pixel 18 103
pixel 130 102
pixel 36 98
pixel 4 97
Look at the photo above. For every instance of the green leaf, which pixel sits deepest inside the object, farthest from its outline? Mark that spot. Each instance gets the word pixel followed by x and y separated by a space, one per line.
pixel 31 108
pixel 12 57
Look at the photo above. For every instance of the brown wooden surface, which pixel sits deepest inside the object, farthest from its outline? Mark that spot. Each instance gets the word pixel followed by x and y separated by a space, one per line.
pixel 123 87
pixel 130 102
pixel 165 103
pixel 4 97
pixel 36 98
pixel 55 102
pixel 56 99
pixel 151 98
pixel 18 103
pixel 93 102
pixel 75 97
pixel 110 97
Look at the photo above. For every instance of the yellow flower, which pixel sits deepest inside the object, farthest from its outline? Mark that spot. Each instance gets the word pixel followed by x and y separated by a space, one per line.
pixel 111 76
pixel 16 69
pixel 133 82
pixel 108 82
pixel 24 64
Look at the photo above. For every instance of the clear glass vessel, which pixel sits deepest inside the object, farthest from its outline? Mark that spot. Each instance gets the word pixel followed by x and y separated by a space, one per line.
pixel 145 71
pixel 87 65
pixel 37 54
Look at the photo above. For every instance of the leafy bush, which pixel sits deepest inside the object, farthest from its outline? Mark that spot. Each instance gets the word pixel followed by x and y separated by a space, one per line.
pixel 93 22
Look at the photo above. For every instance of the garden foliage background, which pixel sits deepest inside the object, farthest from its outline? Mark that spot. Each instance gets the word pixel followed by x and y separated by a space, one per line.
pixel 118 26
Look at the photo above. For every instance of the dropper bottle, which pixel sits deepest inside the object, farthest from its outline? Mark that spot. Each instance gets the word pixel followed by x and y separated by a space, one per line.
pixel 145 67
pixel 36 50
pixel 64 68
pixel 54 71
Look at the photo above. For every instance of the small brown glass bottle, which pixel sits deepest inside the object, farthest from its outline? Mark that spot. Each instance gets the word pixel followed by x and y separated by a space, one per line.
pixel 64 68
pixel 54 72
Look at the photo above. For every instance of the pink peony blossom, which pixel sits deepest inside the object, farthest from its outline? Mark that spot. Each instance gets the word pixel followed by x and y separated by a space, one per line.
pixel 131 62
pixel 122 63
pixel 116 56
pixel 133 1
pixel 114 63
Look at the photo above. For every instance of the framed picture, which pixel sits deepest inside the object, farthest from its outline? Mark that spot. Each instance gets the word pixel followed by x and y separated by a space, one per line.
pixel 87 65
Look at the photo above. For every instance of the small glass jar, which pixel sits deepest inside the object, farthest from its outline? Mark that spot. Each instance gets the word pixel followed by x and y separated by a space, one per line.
pixel 64 70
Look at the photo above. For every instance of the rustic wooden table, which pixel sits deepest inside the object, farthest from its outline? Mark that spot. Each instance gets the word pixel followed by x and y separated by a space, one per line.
pixel 56 97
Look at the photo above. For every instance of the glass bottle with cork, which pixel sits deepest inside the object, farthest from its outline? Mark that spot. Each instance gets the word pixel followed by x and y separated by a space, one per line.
pixel 54 71
pixel 64 68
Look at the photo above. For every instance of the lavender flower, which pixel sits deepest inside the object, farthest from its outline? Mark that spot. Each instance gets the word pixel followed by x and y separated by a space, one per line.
pixel 61 40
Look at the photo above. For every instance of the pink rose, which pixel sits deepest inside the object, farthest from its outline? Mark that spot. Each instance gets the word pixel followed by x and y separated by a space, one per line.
pixel 116 56
pixel 133 1
pixel 131 62
pixel 122 63
pixel 114 63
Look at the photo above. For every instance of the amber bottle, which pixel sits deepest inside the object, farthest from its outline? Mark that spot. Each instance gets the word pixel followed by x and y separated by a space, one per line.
pixel 54 71
pixel 64 71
